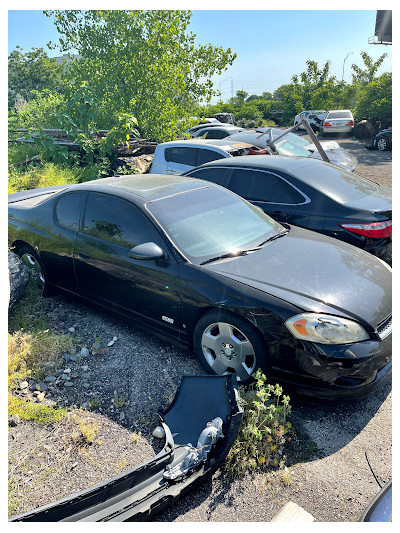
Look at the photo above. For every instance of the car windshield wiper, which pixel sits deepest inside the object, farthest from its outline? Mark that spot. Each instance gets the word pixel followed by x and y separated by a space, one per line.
pixel 276 236
pixel 230 254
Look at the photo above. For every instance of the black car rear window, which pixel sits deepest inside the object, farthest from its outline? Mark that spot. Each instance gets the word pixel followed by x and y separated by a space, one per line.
pixel 205 155
pixel 340 185
pixel 339 114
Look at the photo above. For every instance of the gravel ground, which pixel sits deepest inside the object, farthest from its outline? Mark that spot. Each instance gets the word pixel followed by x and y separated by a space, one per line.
pixel 328 474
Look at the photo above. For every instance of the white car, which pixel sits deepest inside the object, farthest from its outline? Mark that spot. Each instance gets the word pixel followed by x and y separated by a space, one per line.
pixel 295 145
pixel 338 121
pixel 175 157
pixel 313 117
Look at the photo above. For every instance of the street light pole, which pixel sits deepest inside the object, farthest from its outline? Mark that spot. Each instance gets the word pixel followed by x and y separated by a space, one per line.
pixel 228 78
pixel 344 61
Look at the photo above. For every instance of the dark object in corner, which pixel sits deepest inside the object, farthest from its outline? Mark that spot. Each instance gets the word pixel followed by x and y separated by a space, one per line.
pixel 142 492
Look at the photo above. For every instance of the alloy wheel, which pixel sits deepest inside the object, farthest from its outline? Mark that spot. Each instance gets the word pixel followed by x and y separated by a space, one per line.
pixel 227 349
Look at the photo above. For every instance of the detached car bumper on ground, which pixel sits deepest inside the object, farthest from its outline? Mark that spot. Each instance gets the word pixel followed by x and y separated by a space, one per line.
pixel 196 263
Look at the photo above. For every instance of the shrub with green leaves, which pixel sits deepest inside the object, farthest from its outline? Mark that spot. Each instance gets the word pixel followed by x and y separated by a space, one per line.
pixel 264 429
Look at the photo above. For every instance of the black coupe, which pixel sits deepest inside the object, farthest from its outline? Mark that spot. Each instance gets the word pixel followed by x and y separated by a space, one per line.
pixel 311 194
pixel 198 264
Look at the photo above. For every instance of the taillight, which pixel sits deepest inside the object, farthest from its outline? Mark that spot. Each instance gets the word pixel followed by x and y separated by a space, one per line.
pixel 375 230
pixel 350 123
pixel 326 124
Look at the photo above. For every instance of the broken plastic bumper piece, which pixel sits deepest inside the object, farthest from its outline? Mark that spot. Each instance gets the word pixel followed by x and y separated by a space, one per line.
pixel 205 410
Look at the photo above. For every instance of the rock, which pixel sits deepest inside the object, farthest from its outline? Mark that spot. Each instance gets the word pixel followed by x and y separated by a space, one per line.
pixel 85 368
pixel 67 371
pixel 13 421
pixel 71 330
pixel 122 415
pixel 159 432
pixel 23 385
pixel 74 375
pixel 65 376
pixel 68 384
pixel 85 404
pixel 33 386
pixel 111 343
pixel 18 277
pixel 41 387
pixel 86 385
pixel 115 339
pixel 50 379
pixel 84 352
pixel 40 396
pixel 35 393
pixel 96 346
pixel 67 356
pixel 73 358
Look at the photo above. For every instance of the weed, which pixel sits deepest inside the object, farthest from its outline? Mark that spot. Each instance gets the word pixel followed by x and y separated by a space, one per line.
pixel 264 429
pixel 118 401
pixel 121 465
pixel 94 403
pixel 87 431
pixel 135 438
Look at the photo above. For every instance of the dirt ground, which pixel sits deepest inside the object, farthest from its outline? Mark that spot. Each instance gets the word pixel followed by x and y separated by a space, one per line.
pixel 329 475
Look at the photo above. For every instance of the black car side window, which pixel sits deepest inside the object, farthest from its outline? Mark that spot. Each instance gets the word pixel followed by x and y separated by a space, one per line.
pixel 119 221
pixel 205 155
pixel 181 154
pixel 68 210
pixel 215 175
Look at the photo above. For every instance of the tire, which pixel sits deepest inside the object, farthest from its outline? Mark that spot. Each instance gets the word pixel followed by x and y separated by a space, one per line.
pixel 382 144
pixel 35 265
pixel 224 343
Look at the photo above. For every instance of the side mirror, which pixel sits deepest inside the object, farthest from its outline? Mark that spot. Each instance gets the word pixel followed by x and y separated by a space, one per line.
pixel 147 250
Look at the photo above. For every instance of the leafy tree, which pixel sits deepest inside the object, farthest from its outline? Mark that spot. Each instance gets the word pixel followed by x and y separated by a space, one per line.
pixel 33 71
pixel 375 99
pixel 144 63
pixel 239 98
pixel 367 74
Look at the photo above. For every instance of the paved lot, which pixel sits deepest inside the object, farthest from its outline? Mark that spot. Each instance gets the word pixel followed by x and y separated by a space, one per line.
pixel 329 474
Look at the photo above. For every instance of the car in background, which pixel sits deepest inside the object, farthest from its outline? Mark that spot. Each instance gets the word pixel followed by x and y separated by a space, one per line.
pixel 225 118
pixel 311 194
pixel 382 140
pixel 175 157
pixel 338 121
pixel 220 132
pixel 207 122
pixel 202 267
pixel 314 119
pixel 279 142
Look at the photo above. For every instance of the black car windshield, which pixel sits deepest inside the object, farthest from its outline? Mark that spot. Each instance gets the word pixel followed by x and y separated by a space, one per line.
pixel 212 221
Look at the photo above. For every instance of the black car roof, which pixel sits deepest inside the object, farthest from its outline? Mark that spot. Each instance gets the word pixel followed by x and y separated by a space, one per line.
pixel 273 162
pixel 149 187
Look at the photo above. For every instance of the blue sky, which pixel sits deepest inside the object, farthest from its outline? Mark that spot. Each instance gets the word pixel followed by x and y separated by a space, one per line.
pixel 271 46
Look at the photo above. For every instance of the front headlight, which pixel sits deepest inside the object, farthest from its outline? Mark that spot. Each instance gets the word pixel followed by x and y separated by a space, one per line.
pixel 325 329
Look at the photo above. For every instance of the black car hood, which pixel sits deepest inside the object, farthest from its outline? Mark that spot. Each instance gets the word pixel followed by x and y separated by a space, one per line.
pixel 316 273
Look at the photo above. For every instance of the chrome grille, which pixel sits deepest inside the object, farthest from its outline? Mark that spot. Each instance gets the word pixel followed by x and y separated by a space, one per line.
pixel 385 327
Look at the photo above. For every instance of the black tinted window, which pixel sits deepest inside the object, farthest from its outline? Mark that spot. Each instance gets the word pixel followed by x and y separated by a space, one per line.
pixel 263 186
pixel 118 221
pixel 216 134
pixel 216 175
pixel 205 155
pixel 181 154
pixel 68 210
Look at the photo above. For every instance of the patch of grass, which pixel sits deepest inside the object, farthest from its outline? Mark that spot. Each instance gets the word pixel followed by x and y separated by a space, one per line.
pixel 21 152
pixel 39 413
pixel 94 403
pixel 118 401
pixel 264 429
pixel 44 175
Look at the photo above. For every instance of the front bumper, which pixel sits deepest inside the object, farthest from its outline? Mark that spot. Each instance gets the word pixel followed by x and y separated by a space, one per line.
pixel 336 372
